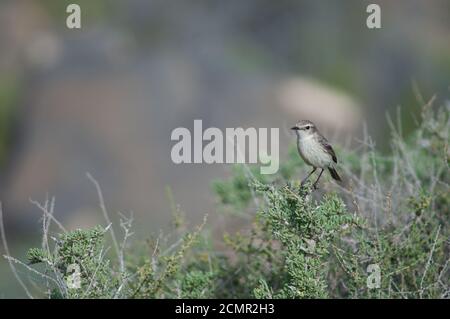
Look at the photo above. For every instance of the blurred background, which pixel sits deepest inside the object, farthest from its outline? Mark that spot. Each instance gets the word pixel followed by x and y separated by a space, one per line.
pixel 104 99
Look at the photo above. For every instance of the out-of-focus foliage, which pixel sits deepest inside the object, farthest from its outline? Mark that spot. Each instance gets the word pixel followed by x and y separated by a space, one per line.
pixel 78 255
pixel 8 106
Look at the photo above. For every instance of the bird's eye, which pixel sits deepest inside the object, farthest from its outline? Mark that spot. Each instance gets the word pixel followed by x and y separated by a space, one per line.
pixel 308 127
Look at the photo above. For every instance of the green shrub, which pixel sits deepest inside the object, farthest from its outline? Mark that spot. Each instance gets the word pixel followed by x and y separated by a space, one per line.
pixel 391 217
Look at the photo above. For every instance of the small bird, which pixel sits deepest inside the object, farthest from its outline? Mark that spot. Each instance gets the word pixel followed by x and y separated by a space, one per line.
pixel 315 150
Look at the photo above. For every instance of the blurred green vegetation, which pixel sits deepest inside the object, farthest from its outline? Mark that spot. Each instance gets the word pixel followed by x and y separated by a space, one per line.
pixel 9 95
pixel 92 11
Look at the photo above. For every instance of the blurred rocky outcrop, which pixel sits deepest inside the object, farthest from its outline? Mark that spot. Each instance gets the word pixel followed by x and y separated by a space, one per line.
pixel 308 99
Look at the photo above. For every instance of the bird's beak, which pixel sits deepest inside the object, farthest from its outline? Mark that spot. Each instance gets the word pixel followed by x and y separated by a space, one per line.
pixel 294 128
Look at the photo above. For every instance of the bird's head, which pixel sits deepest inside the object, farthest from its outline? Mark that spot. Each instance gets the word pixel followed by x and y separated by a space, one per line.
pixel 304 128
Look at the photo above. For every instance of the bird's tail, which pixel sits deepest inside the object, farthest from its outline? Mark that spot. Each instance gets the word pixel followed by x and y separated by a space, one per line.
pixel 334 174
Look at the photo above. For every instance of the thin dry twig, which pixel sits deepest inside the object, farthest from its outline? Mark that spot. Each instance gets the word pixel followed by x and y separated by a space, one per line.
pixel 429 261
pixel 105 214
pixel 47 214
pixel 8 255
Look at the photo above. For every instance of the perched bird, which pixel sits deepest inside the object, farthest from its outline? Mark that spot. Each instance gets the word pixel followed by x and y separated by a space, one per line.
pixel 315 150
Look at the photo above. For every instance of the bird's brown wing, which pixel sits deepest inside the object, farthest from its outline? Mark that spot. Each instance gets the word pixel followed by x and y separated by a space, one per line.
pixel 323 141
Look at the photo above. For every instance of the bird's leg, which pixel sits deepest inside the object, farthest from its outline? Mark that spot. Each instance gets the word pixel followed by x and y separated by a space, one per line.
pixel 306 178
pixel 315 183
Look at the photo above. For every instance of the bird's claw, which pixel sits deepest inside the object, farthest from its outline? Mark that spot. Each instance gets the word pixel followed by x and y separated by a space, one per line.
pixel 314 186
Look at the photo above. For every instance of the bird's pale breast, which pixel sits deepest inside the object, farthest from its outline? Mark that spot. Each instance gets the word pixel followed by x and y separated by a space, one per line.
pixel 313 152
